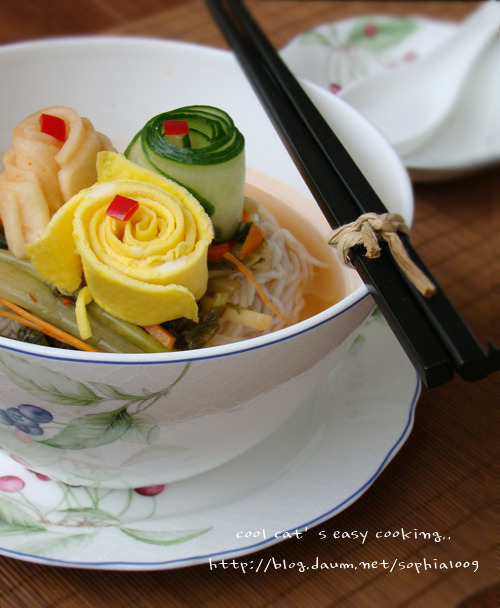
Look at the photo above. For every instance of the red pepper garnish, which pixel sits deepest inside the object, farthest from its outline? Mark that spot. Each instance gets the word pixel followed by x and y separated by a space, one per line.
pixel 66 300
pixel 122 207
pixel 53 125
pixel 175 127
pixel 32 297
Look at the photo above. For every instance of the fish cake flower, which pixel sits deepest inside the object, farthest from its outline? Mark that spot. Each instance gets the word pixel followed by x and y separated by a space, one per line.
pixel 43 169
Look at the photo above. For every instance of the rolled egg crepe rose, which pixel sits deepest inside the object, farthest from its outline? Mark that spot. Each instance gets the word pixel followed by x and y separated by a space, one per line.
pixel 149 269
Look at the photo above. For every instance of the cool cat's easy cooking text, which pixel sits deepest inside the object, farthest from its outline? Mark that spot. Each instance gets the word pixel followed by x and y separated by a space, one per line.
pixel 401 533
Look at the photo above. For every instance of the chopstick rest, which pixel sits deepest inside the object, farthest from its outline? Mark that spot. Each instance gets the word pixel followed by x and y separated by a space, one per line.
pixel 367 231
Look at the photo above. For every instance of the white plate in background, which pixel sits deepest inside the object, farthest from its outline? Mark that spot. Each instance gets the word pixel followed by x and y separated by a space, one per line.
pixel 336 54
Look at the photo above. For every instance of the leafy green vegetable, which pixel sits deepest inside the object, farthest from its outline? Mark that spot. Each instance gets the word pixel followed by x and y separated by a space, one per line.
pixel 33 336
pixel 190 335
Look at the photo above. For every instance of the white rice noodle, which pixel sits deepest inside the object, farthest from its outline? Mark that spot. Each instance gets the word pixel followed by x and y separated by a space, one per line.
pixel 291 269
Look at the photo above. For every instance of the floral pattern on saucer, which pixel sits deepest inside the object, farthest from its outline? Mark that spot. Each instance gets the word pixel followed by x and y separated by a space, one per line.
pixel 75 516
pixel 335 54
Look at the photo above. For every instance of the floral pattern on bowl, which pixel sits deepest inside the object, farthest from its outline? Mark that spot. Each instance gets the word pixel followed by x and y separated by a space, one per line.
pixel 48 435
pixel 190 521
pixel 127 421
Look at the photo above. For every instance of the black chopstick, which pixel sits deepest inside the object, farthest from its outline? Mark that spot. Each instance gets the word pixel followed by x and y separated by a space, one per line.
pixel 430 330
pixel 467 355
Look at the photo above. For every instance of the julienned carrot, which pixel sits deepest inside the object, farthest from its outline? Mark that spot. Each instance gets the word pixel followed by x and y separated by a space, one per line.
pixel 252 240
pixel 12 315
pixel 161 334
pixel 246 217
pixel 242 268
pixel 47 328
pixel 216 252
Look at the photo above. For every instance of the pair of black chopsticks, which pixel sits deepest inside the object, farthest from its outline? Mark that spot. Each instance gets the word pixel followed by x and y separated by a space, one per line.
pixel 434 336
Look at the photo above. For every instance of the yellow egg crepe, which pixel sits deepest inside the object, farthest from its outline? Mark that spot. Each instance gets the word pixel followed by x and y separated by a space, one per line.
pixel 147 270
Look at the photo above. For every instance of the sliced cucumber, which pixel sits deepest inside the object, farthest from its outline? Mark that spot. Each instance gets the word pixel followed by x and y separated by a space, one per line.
pixel 212 168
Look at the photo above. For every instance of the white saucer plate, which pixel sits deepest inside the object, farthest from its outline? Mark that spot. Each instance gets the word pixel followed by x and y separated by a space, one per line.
pixel 316 465
pixel 336 54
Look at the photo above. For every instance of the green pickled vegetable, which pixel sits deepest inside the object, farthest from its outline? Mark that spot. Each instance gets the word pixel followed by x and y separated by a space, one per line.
pixel 211 165
pixel 33 336
pixel 21 284
pixel 190 335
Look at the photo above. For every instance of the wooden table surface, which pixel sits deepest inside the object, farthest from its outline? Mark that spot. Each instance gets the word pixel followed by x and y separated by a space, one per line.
pixel 443 479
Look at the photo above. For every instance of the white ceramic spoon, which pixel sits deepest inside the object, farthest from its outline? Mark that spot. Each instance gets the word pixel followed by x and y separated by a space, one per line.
pixel 410 104
pixel 469 139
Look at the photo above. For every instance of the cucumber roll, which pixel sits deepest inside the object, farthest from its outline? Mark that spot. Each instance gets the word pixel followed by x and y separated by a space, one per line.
pixel 200 148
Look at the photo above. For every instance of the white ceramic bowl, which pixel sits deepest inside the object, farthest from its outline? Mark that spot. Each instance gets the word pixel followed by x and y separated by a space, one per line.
pixel 123 421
